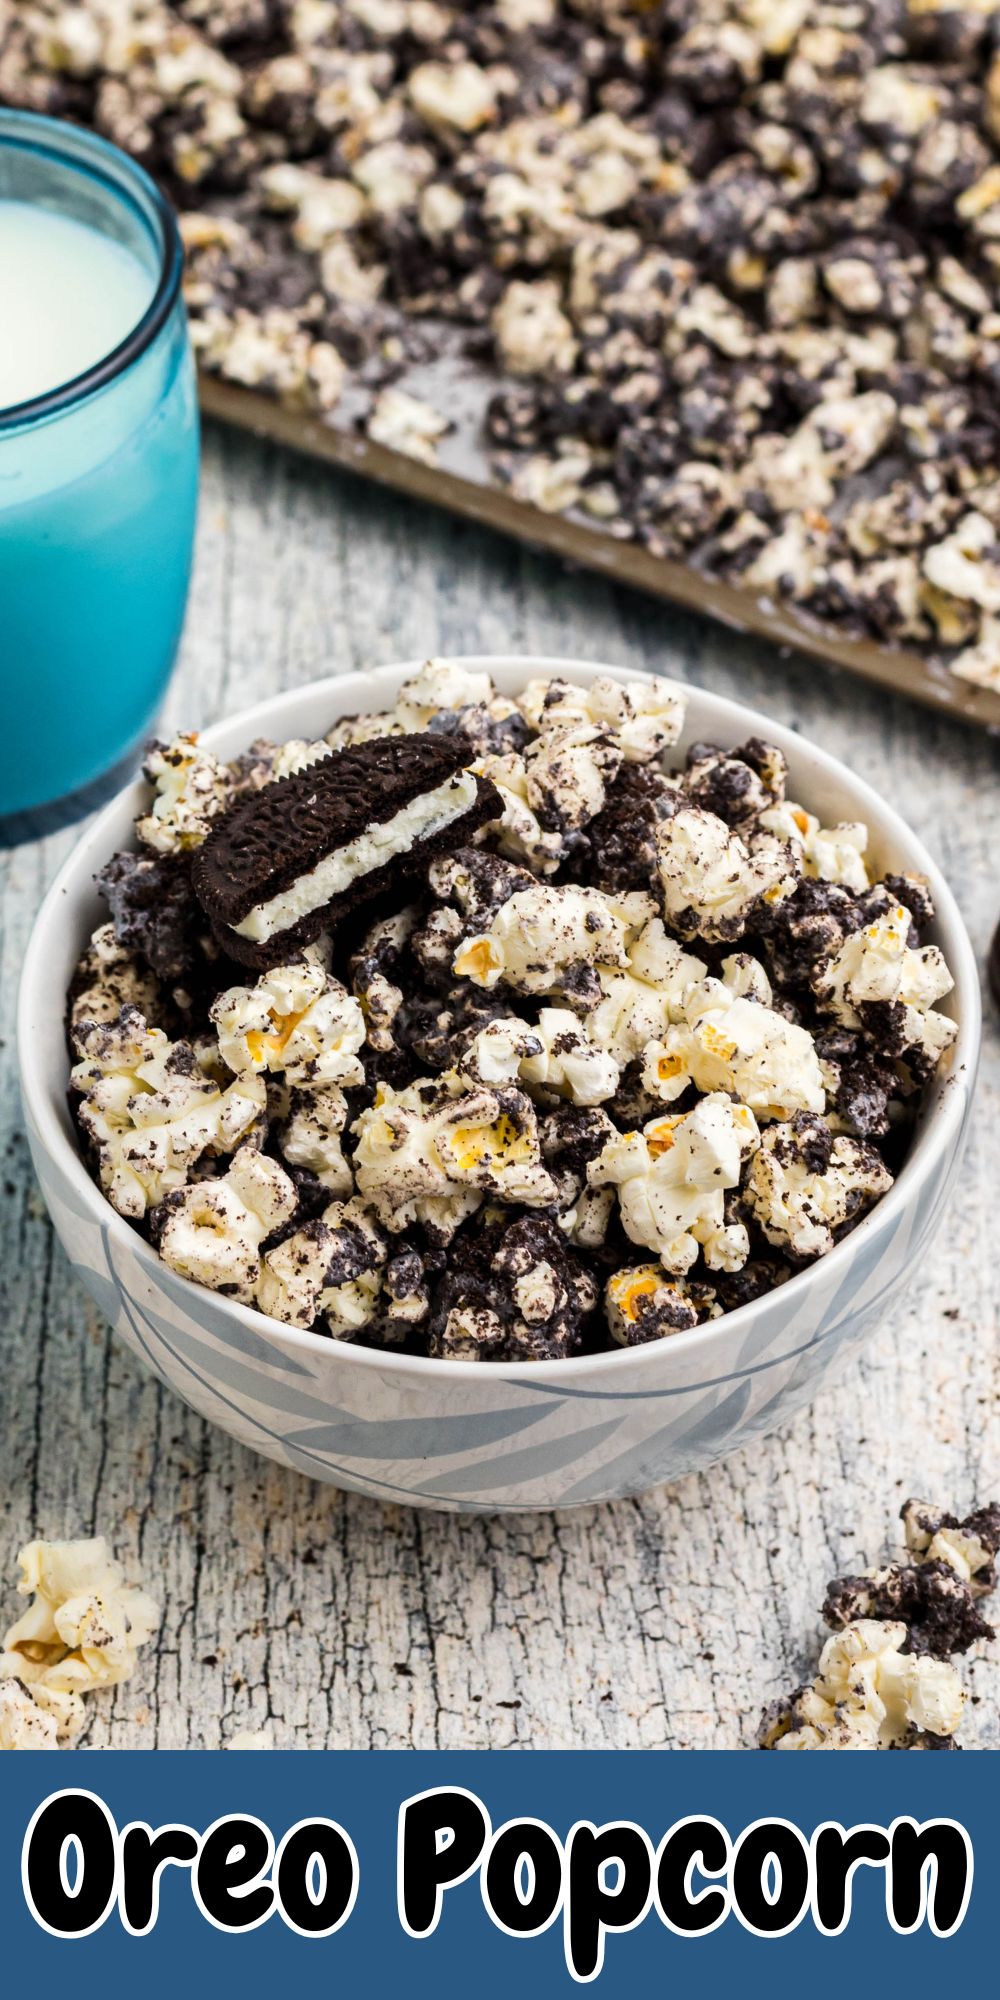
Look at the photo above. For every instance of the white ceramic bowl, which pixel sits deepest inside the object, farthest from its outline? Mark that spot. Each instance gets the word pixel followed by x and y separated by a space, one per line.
pixel 482 1437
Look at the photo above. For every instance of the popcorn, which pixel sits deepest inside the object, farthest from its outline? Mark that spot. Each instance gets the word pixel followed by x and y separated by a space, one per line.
pixel 318 1268
pixel 108 978
pixel 191 787
pixel 831 853
pixel 727 1043
pixel 455 97
pixel 150 1112
pixel 553 1055
pixel 672 1179
pixel 645 717
pixel 712 881
pixel 211 1232
pixel 804 1185
pixel 425 1154
pixel 533 334
pixel 511 1292
pixel 643 1304
pixel 868 1695
pixel 310 1136
pixel 23 1724
pixel 541 939
pixel 876 972
pixel 439 688
pixel 296 1021
pixel 81 1631
pixel 408 424
pixel 968 1547
pixel 966 563
pixel 636 1006
pixel 520 831
pixel 567 772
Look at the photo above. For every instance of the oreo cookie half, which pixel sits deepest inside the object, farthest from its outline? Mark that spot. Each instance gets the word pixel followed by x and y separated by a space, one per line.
pixel 293 859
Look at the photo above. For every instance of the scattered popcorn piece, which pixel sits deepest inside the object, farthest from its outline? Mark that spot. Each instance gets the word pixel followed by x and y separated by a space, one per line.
pixel 191 787
pixel 23 1724
pixel 151 1112
pixel 672 1179
pixel 212 1231
pixel 969 1547
pixel 81 1631
pixel 712 880
pixel 296 1021
pixel 868 1695
pixel 804 1185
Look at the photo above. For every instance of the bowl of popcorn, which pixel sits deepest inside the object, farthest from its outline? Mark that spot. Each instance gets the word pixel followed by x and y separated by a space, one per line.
pixel 496 1083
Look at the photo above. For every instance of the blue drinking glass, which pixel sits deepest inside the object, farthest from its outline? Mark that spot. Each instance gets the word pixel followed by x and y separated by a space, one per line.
pixel 98 493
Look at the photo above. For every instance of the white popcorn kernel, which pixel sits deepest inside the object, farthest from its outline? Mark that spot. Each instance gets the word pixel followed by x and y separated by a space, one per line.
pixel 297 1021
pixel 81 1631
pixel 931 1537
pixel 150 1111
pixel 556 1054
pixel 439 688
pixel 23 1724
pixel 323 208
pixel 567 771
pixel 672 1178
pixel 966 563
pixel 804 1185
pixel 711 879
pixel 520 834
pixel 725 1042
pixel 297 755
pixel 540 934
pixel 108 978
pixel 392 174
pixel 645 717
pixel 637 1006
pixel 458 97
pixel 876 965
pixel 533 334
pixel 429 1156
pixel 829 853
pixel 191 787
pixel 212 1231
pixel 408 424
pixel 642 1303
pixel 311 1136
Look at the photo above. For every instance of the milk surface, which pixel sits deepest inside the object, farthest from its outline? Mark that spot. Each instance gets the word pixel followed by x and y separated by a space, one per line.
pixel 68 296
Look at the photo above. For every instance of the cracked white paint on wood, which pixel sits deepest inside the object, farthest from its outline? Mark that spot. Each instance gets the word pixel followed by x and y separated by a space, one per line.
pixel 661 1622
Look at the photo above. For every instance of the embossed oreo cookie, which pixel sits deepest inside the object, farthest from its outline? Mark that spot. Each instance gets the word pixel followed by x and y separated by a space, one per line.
pixel 293 859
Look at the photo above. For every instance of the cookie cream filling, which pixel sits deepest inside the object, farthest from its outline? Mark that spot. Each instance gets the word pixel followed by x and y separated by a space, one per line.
pixel 380 842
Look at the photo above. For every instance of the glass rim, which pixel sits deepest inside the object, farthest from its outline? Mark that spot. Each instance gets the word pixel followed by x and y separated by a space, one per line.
pixel 79 149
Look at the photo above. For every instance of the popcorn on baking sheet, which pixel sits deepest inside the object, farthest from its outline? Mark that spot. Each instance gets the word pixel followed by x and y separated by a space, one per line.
pixel 672 1179
pixel 81 1631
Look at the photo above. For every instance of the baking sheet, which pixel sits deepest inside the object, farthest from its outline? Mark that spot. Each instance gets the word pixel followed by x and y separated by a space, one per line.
pixel 456 486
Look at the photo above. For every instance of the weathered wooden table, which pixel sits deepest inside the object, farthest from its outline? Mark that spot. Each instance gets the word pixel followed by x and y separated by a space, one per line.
pixel 663 1622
